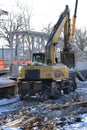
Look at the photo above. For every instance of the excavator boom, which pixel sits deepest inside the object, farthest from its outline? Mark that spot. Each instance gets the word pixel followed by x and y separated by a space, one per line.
pixel 67 57
pixel 55 34
pixel 63 24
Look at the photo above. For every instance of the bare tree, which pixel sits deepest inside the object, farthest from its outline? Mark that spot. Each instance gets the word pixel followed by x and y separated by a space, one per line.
pixel 81 39
pixel 47 29
pixel 15 22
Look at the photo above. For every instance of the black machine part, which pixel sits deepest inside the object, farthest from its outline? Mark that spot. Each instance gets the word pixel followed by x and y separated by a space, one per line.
pixel 68 58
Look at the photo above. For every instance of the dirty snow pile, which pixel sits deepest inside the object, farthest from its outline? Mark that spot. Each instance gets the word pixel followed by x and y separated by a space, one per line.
pixel 78 126
pixel 4 102
pixel 12 129
pixel 5 81
pixel 81 65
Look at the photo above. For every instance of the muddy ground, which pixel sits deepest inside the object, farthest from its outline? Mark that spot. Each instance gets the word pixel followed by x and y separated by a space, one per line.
pixel 47 115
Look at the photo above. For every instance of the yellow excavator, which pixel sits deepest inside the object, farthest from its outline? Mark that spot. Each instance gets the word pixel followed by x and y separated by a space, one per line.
pixel 44 78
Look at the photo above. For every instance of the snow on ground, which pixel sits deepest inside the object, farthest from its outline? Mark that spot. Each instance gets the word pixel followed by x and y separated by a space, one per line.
pixel 81 89
pixel 12 129
pixel 5 80
pixel 81 65
pixel 78 126
pixel 3 104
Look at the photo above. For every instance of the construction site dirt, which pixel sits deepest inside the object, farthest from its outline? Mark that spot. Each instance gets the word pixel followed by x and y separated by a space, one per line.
pixel 48 115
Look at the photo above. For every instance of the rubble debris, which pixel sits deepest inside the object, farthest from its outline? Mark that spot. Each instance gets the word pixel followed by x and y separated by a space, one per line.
pixel 47 115
pixel 67 105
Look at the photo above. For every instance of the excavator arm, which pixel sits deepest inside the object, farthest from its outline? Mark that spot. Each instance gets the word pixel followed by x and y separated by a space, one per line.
pixel 63 22
pixel 67 56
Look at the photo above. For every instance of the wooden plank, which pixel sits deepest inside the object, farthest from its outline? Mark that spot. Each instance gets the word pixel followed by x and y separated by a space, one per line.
pixel 13 123
pixel 57 107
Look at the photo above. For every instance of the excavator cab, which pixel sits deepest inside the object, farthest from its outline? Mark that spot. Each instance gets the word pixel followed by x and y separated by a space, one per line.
pixel 38 57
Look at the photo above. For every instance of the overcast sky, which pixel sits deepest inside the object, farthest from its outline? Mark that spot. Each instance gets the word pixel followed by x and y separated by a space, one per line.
pixel 48 11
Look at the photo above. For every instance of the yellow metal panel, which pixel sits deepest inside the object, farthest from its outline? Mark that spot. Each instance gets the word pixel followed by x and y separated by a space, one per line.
pixel 55 72
pixel 59 30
